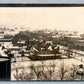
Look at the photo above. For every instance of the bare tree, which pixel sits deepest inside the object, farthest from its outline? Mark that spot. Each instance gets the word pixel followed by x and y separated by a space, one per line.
pixel 16 76
pixel 40 72
pixel 62 71
pixel 73 72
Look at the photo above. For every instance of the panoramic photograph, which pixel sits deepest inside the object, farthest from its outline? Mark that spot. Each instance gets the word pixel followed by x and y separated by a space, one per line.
pixel 41 43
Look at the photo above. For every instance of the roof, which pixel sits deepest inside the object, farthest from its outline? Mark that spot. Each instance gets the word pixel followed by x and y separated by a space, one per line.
pixel 14 47
pixel 22 42
pixel 1 32
pixel 73 36
pixel 3 59
pixel 2 54
pixel 5 40
pixel 80 40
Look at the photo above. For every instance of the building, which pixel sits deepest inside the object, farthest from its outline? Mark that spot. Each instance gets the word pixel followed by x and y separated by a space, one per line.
pixel 72 38
pixel 80 44
pixel 75 41
pixel 4 42
pixel 1 33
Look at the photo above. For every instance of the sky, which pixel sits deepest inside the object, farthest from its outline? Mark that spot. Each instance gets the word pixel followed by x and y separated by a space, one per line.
pixel 60 18
pixel 41 1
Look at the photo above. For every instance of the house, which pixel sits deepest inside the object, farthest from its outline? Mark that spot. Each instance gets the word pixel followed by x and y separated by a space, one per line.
pixel 14 48
pixel 21 43
pixel 50 42
pixel 6 42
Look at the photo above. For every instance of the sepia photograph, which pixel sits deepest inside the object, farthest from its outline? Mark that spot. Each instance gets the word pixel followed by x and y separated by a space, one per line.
pixel 41 43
